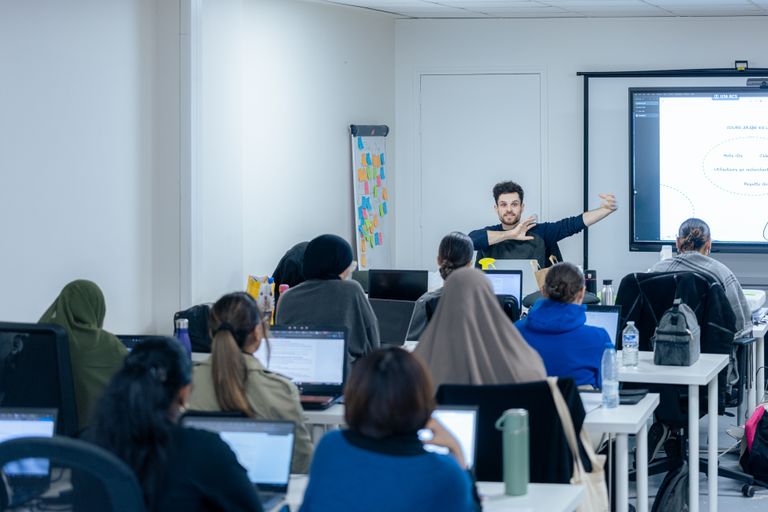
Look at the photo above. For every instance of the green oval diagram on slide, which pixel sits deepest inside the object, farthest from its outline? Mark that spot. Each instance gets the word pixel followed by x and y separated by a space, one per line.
pixel 739 166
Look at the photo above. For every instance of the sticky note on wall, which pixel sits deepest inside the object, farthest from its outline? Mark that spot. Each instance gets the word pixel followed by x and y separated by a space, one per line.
pixel 381 238
pixel 376 239
pixel 368 159
pixel 384 207
pixel 381 159
pixel 384 193
pixel 362 261
pixel 381 174
pixel 360 143
pixel 376 161
pixel 365 188
pixel 362 160
pixel 375 191
pixel 378 180
pixel 361 174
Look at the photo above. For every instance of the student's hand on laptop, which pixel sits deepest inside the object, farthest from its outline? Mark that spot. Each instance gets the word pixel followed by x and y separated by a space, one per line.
pixel 441 437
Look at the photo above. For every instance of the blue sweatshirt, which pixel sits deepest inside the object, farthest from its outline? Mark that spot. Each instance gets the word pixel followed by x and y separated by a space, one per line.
pixel 568 347
pixel 351 473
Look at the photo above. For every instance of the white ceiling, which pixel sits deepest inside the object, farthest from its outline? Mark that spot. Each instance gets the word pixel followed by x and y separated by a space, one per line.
pixel 561 8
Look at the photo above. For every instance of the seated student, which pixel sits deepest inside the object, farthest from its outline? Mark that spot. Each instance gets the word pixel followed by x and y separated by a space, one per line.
pixel 232 379
pixel 95 354
pixel 455 251
pixel 470 339
pixel 379 463
pixel 288 270
pixel 329 297
pixel 555 327
pixel 178 468
pixel 694 242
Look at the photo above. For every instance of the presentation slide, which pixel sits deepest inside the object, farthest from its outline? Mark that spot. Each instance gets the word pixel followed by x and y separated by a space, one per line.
pixel 700 153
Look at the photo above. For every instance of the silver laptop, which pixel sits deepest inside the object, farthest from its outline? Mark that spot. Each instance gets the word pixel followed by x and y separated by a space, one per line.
pixel 507 282
pixel 461 421
pixel 263 448
pixel 607 317
pixel 524 266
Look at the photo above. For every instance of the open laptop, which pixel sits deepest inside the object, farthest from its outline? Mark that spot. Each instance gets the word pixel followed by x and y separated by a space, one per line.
pixel 394 318
pixel 461 421
pixel 524 266
pixel 506 282
pixel 313 357
pixel 263 448
pixel 607 317
pixel 397 284
pixel 32 476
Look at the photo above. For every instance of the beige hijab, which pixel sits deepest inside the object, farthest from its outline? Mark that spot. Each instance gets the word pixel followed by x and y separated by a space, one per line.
pixel 471 341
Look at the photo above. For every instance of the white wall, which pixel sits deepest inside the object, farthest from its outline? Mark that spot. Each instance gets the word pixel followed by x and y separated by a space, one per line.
pixel 76 155
pixel 557 49
pixel 282 82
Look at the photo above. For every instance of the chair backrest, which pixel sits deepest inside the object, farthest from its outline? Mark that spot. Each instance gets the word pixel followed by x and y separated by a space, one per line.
pixel 550 460
pixel 199 335
pixel 35 371
pixel 98 478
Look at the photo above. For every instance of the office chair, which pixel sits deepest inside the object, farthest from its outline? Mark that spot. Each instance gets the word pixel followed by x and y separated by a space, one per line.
pixel 99 480
pixel 36 372
pixel 644 298
pixel 551 460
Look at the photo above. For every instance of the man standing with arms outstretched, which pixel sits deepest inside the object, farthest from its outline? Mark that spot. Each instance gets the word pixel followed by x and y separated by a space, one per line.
pixel 516 239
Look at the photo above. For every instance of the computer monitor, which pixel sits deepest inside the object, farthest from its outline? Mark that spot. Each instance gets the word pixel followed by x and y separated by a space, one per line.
pixel 506 282
pixel 263 448
pixel 461 421
pixel 313 357
pixel 397 284
pixel 394 317
pixel 22 422
pixel 35 371
pixel 607 317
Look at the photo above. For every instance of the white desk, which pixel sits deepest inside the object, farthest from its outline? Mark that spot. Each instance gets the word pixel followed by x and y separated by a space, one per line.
pixel 199 357
pixel 540 497
pixel 702 373
pixel 623 421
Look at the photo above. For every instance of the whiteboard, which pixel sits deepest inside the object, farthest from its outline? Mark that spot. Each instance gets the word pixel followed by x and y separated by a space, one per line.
pixel 372 197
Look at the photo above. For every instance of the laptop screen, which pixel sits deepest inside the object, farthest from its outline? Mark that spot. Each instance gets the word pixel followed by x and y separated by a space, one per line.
pixel 394 317
pixel 27 423
pixel 506 282
pixel 462 423
pixel 306 355
pixel 263 448
pixel 397 284
pixel 607 317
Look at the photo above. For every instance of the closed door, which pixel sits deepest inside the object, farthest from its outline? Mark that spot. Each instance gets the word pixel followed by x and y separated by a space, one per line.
pixel 475 130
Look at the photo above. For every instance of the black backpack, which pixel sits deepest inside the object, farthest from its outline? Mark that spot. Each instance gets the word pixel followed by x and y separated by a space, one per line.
pixel 199 336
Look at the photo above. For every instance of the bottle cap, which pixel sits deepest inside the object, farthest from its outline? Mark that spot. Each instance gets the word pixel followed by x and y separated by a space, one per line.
pixel 182 323
pixel 630 322
pixel 607 281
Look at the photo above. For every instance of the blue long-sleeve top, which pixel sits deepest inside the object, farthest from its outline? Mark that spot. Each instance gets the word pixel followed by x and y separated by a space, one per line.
pixel 351 472
pixel 568 346
pixel 550 232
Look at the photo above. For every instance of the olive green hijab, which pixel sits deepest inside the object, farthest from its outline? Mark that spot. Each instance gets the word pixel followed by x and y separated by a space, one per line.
pixel 95 353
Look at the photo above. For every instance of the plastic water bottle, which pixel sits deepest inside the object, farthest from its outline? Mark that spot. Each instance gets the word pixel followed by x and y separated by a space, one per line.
pixel 182 334
pixel 610 372
pixel 630 341
pixel 606 297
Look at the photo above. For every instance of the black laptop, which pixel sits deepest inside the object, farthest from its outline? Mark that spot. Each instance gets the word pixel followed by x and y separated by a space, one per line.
pixel 394 317
pixel 397 284
pixel 313 357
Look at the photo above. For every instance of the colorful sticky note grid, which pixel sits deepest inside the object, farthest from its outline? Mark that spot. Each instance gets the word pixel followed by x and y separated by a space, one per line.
pixel 378 180
pixel 381 173
pixel 368 159
pixel 384 193
pixel 381 159
pixel 366 188
pixel 360 143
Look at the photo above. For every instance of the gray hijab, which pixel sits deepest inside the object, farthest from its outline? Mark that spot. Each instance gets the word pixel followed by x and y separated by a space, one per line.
pixel 471 341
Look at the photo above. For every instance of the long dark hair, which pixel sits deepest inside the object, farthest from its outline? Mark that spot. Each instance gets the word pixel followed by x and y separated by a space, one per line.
pixel 133 417
pixel 232 321
pixel 455 251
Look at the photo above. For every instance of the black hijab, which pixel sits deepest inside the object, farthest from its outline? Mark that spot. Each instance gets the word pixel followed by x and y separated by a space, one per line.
pixel 326 257
pixel 288 270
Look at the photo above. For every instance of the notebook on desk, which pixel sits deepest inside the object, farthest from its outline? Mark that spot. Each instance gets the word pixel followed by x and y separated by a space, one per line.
pixel 263 448
pixel 313 357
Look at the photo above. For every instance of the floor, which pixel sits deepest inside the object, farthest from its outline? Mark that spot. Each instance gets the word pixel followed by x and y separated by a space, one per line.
pixel 729 491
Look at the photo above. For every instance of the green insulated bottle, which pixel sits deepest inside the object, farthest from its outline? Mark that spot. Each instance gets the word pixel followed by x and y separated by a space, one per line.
pixel 514 426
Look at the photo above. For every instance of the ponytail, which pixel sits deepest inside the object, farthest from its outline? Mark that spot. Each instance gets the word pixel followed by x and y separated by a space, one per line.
pixel 230 374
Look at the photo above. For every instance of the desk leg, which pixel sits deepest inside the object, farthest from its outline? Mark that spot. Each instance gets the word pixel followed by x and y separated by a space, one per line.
pixel 622 473
pixel 712 444
pixel 693 448
pixel 752 394
pixel 642 469
pixel 760 381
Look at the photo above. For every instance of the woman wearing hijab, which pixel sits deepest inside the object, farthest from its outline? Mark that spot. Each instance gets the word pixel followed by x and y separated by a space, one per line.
pixel 470 339
pixel 95 354
pixel 288 270
pixel 328 297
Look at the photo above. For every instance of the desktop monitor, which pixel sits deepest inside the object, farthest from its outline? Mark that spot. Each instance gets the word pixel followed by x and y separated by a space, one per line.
pixel 506 282
pixel 35 371
pixel 397 284
pixel 607 317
